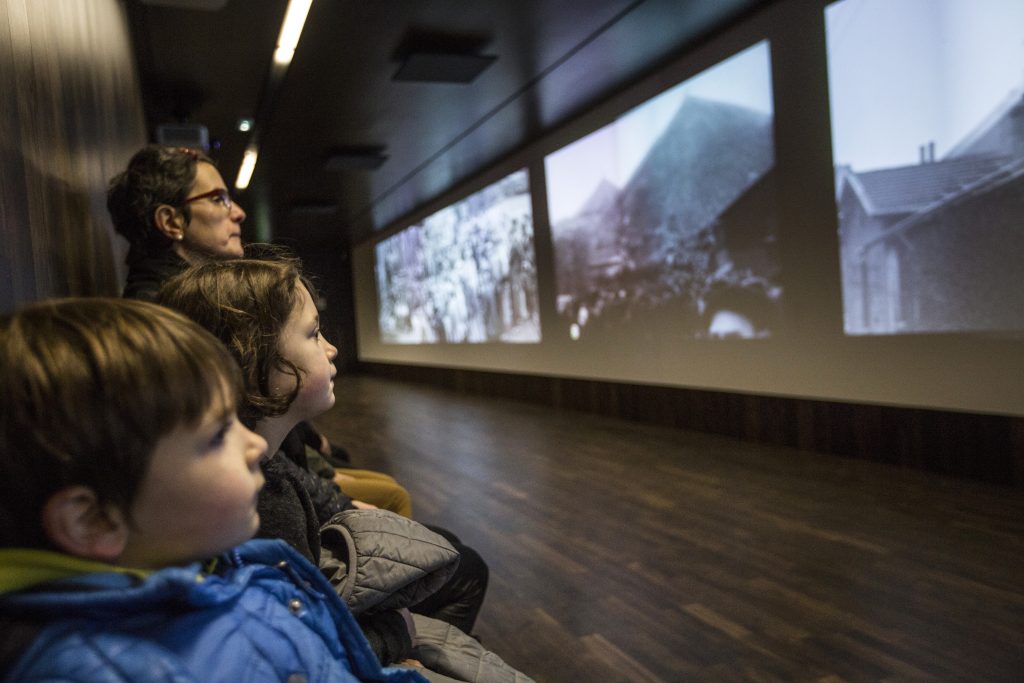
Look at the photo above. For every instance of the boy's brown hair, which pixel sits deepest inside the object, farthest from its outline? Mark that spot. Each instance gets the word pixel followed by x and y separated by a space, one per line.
pixel 245 303
pixel 87 389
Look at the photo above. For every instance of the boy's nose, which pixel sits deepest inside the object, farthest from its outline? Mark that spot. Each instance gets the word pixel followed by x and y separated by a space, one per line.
pixel 330 349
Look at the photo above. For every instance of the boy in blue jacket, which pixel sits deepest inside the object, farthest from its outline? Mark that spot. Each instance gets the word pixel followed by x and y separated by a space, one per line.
pixel 123 470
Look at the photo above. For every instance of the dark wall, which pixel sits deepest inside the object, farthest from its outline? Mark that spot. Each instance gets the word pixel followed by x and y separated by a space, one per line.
pixel 330 267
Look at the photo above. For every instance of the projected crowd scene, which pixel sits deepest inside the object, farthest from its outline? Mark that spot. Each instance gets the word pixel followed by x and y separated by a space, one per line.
pixel 928 141
pixel 466 274
pixel 664 222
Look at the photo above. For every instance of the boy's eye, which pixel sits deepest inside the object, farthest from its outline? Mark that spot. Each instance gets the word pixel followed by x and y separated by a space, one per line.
pixel 218 439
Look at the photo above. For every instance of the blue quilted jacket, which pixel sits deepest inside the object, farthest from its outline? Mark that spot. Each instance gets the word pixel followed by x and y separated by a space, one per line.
pixel 263 614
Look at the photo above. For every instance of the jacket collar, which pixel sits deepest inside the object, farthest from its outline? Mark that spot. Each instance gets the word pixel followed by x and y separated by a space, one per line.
pixel 22 568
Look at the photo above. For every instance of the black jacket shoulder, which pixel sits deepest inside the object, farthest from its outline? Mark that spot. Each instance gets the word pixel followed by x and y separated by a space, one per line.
pixel 147 272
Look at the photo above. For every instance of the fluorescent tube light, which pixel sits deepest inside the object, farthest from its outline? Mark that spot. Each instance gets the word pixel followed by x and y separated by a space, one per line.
pixel 283 55
pixel 246 169
pixel 291 29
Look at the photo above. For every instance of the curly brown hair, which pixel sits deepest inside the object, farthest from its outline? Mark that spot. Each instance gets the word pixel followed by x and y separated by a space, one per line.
pixel 89 386
pixel 156 175
pixel 245 303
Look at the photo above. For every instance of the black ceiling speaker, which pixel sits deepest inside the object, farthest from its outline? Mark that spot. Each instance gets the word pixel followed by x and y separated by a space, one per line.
pixel 431 56
pixel 442 67
pixel 355 158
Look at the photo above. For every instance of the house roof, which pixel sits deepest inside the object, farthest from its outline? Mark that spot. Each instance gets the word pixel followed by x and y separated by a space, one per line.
pixel 1011 171
pixel 908 189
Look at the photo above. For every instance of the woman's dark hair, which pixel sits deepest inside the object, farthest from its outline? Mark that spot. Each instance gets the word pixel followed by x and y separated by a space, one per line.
pixel 88 387
pixel 156 175
pixel 245 303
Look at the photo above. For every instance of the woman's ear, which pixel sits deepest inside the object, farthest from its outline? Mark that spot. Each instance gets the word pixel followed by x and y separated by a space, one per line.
pixel 77 524
pixel 170 221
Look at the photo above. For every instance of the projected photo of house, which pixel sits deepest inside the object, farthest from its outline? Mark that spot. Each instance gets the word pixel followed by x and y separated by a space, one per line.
pixel 928 141
pixel 466 274
pixel 663 221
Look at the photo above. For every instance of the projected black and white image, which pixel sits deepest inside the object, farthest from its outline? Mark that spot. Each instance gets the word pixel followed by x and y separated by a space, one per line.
pixel 664 223
pixel 466 274
pixel 927 101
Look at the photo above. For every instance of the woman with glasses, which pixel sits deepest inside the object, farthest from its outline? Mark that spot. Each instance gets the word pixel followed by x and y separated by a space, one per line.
pixel 174 209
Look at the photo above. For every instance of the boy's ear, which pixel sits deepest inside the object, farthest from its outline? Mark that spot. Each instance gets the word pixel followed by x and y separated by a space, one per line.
pixel 77 524
pixel 169 221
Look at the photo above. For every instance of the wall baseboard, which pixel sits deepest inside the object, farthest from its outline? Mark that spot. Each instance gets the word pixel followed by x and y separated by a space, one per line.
pixel 985 447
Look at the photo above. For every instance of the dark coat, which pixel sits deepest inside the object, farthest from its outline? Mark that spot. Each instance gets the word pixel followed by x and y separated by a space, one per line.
pixel 287 512
pixel 147 272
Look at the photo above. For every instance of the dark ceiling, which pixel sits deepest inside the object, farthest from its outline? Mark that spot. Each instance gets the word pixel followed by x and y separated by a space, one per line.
pixel 554 59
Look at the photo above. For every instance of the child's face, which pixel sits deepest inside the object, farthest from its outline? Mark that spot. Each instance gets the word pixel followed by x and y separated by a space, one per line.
pixel 302 344
pixel 198 498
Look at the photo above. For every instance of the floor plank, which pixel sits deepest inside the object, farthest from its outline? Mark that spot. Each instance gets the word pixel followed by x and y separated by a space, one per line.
pixel 624 552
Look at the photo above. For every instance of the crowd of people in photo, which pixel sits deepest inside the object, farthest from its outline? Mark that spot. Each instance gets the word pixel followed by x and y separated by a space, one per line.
pixel 466 274
pixel 631 289
pixel 168 511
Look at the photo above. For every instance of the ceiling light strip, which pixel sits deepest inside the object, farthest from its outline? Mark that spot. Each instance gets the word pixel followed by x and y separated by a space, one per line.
pixel 287 41
pixel 245 171
pixel 291 29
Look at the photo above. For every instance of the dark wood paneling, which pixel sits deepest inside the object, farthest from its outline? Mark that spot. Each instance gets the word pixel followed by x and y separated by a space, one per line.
pixel 977 446
pixel 71 119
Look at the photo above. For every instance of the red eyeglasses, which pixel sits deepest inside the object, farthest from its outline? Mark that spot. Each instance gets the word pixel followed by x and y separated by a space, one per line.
pixel 219 195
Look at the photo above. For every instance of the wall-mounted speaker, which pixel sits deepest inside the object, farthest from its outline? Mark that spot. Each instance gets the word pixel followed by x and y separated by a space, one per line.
pixel 184 135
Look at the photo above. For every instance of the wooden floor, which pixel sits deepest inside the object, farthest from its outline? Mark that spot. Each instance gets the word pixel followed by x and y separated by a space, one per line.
pixel 622 552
